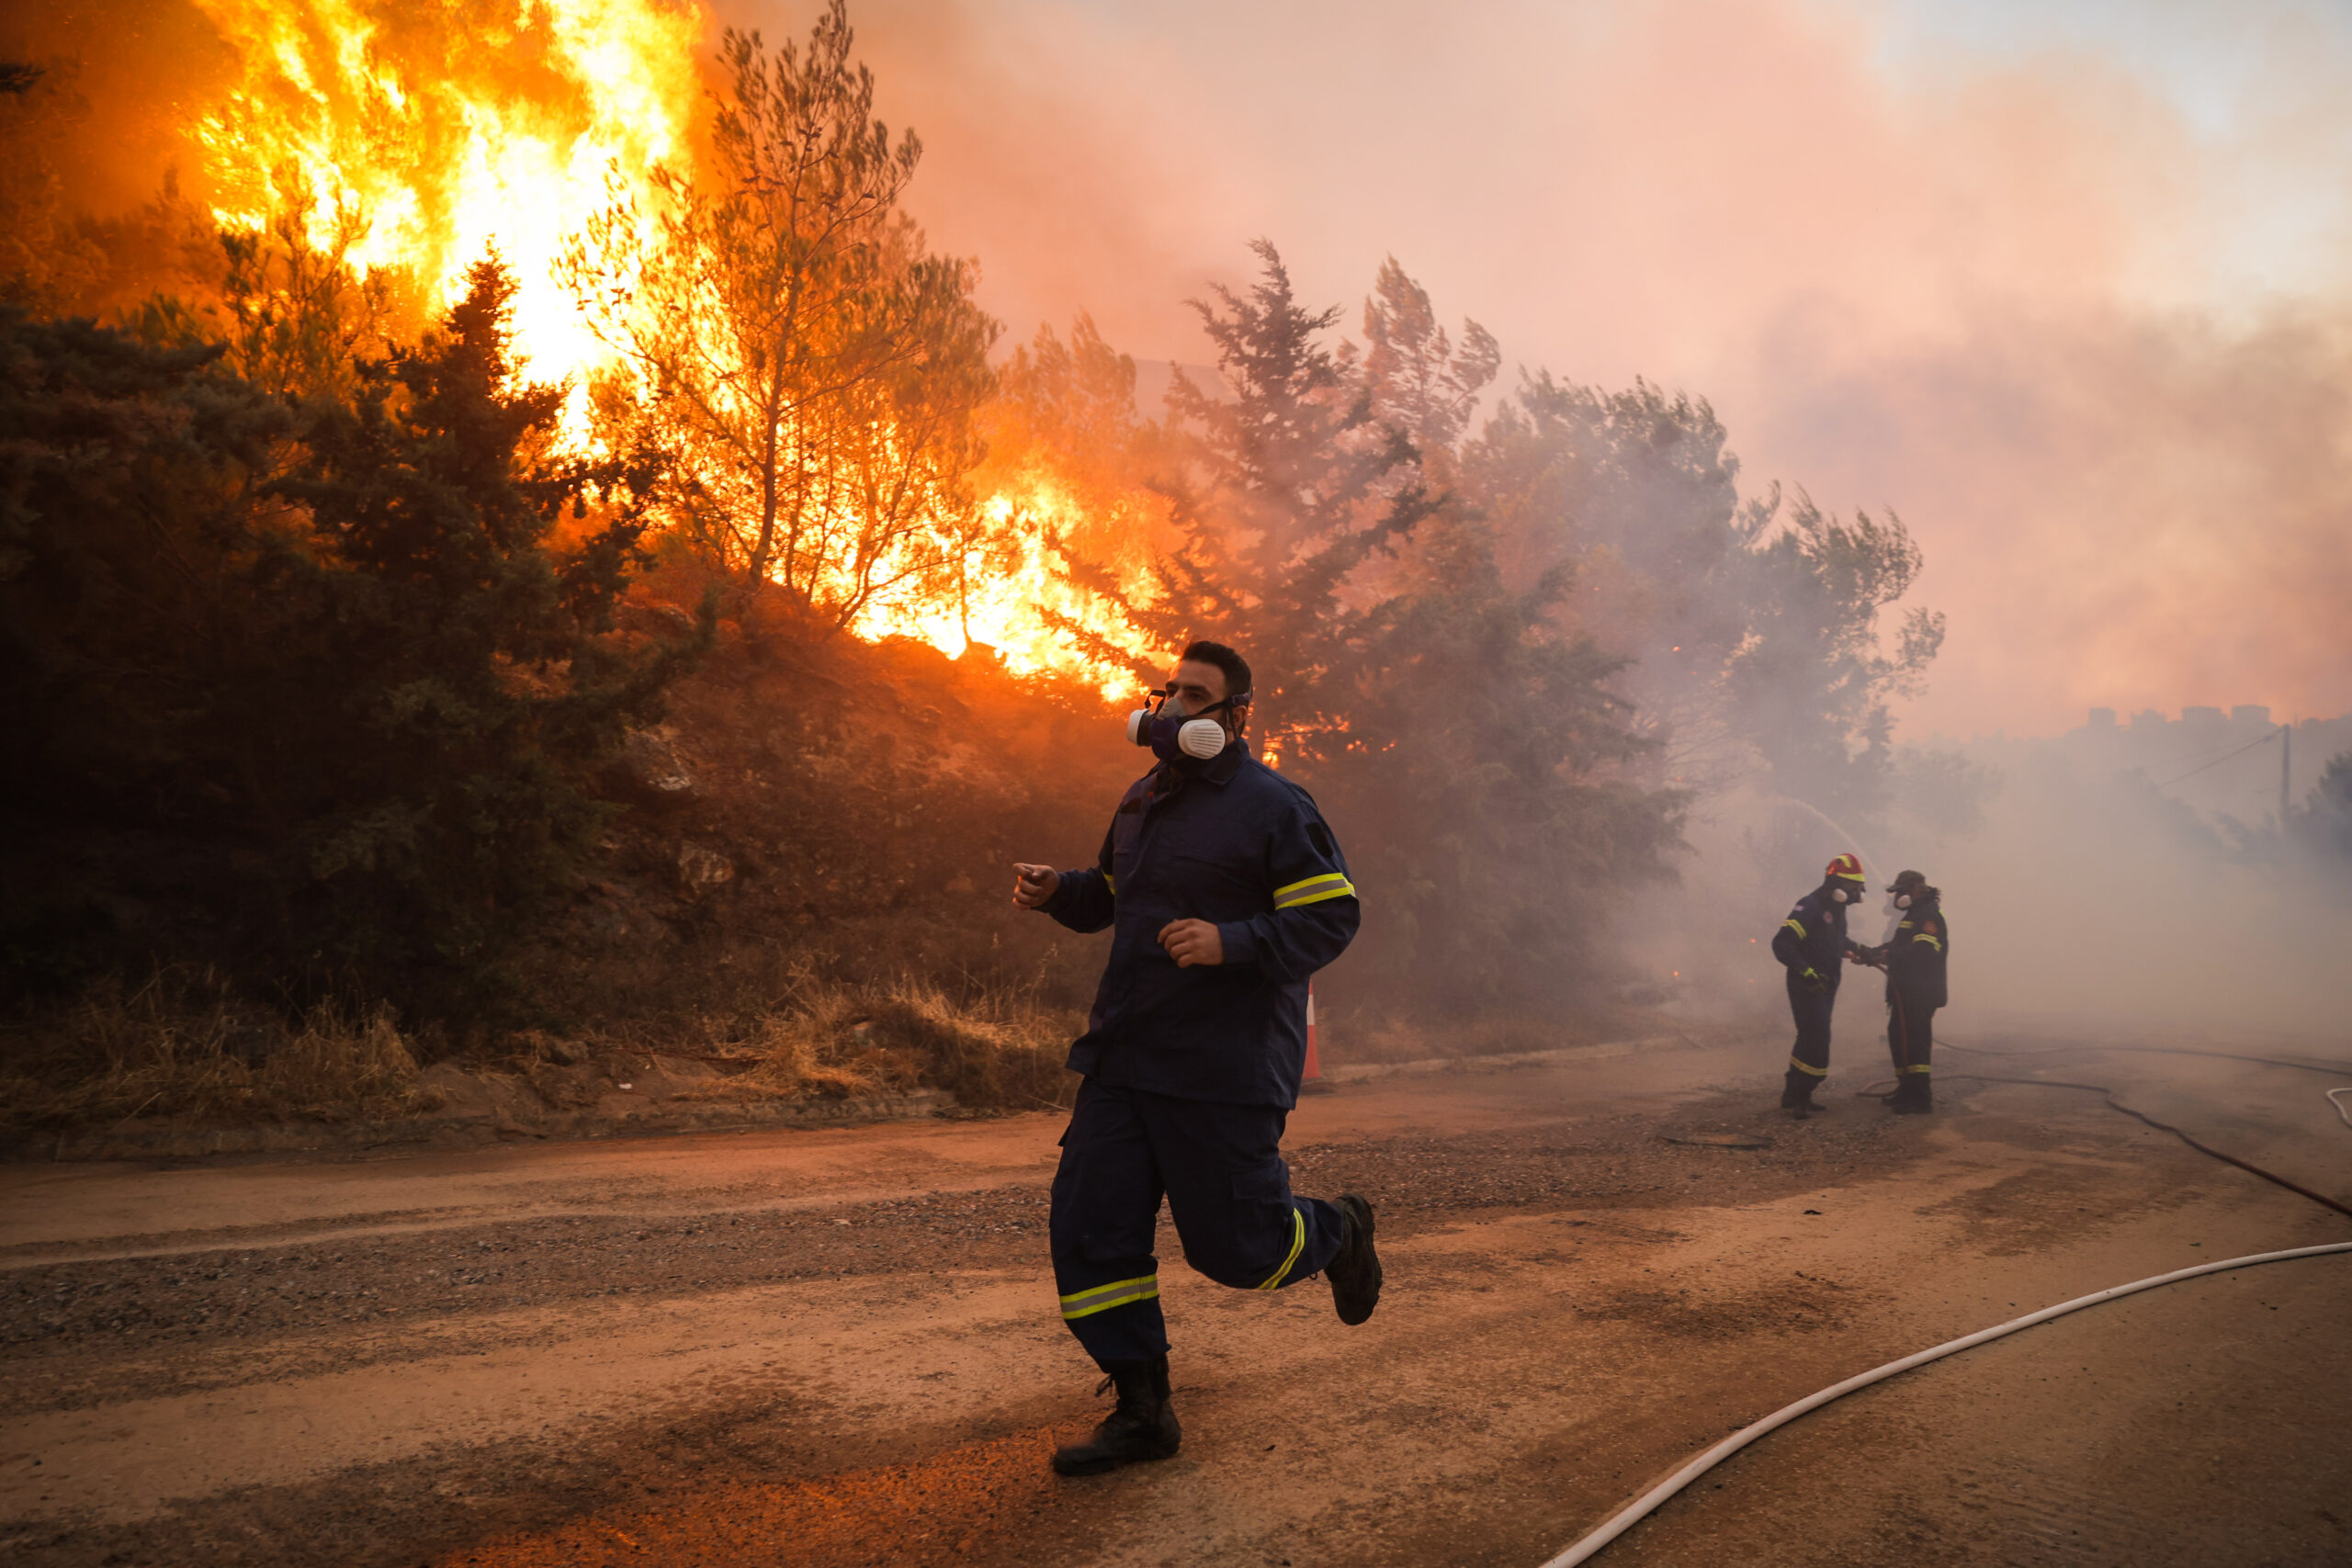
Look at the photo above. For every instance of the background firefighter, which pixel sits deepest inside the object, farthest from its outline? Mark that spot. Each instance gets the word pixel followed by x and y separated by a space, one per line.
pixel 1225 891
pixel 1813 946
pixel 1914 960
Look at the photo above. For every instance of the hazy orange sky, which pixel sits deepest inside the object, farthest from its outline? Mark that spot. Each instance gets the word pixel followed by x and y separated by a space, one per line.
pixel 2066 286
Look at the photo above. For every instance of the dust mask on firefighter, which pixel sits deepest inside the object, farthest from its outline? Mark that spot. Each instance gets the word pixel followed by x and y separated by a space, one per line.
pixel 1178 735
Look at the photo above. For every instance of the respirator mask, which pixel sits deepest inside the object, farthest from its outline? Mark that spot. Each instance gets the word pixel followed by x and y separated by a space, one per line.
pixel 1172 736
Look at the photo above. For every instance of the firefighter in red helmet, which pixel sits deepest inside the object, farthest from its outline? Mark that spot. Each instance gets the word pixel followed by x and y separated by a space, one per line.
pixel 1813 946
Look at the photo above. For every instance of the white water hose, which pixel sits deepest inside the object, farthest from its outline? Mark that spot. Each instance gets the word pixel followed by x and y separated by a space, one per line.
pixel 1583 1551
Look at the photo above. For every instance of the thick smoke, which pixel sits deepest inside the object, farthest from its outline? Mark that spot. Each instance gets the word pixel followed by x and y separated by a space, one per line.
pixel 2077 311
pixel 2093 900
pixel 2084 328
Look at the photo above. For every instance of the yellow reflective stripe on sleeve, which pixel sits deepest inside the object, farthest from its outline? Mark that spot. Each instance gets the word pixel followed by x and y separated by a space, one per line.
pixel 1929 940
pixel 1808 1068
pixel 1314 890
pixel 1111 882
pixel 1297 1245
pixel 1795 927
pixel 1103 1298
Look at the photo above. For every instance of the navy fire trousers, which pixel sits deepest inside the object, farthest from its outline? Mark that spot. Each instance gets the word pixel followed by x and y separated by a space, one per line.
pixel 1910 1039
pixel 1220 1167
pixel 1809 1057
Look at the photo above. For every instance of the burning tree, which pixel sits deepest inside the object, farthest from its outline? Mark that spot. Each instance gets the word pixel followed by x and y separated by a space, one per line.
pixel 783 331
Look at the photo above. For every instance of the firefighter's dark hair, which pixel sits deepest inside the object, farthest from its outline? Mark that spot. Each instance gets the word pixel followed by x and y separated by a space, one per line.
pixel 1236 668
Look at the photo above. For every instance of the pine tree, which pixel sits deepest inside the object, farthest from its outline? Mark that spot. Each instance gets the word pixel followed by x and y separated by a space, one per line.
pixel 318 691
pixel 1290 487
pixel 1465 744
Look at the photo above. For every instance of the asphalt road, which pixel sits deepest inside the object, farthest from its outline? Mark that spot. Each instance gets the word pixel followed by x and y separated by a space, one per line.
pixel 834 1347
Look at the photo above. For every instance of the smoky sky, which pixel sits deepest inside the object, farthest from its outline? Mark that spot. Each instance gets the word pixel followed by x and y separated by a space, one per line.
pixel 2073 300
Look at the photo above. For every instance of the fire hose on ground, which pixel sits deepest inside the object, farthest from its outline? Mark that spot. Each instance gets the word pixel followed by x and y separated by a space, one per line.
pixel 1641 1508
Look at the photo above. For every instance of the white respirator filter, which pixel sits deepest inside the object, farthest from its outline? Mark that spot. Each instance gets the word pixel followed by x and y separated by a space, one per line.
pixel 1201 737
pixel 1135 721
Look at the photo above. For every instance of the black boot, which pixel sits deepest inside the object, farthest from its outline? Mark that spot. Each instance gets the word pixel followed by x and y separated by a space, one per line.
pixel 1912 1097
pixel 1354 1271
pixel 1141 1427
pixel 1798 1096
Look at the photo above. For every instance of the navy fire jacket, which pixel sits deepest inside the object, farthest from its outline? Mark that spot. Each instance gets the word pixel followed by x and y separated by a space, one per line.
pixel 1235 843
pixel 1814 936
pixel 1914 959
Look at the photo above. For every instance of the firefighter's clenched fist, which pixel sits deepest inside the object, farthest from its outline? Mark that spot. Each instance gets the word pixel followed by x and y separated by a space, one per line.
pixel 1191 941
pixel 1033 885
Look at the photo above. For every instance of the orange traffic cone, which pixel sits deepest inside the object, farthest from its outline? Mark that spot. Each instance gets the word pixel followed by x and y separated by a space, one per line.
pixel 1312 1081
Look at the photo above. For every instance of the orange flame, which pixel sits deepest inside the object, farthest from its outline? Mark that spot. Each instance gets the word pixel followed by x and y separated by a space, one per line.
pixel 1011 611
pixel 448 128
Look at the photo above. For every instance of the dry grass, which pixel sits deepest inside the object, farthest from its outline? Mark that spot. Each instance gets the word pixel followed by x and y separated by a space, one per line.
pixel 994 1048
pixel 184 1044
pixel 1411 1040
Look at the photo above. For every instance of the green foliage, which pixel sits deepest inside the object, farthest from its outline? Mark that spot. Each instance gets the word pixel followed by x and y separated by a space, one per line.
pixel 1810 678
pixel 1465 744
pixel 1752 630
pixel 1482 777
pixel 320 686
pixel 129 480
pixel 454 675
pixel 2323 822
pixel 1290 487
pixel 1418 383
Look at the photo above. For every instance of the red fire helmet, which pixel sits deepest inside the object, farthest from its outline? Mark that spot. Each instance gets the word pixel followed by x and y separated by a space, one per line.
pixel 1847 866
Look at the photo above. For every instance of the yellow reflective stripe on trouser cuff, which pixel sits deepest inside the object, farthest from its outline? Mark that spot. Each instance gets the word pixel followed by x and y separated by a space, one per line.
pixel 1118 1292
pixel 1314 890
pixel 1794 927
pixel 1808 1068
pixel 1918 1067
pixel 1297 1245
